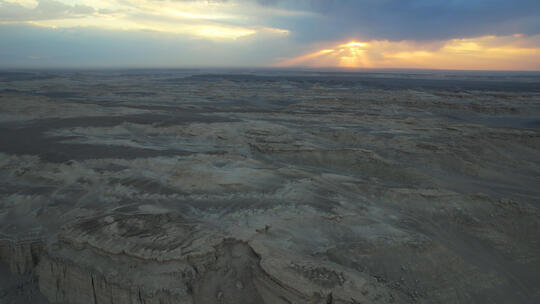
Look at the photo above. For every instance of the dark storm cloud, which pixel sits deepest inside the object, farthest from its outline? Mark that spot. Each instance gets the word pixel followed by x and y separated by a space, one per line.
pixel 409 19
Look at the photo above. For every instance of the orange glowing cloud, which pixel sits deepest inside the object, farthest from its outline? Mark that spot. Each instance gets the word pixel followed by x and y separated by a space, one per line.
pixel 514 52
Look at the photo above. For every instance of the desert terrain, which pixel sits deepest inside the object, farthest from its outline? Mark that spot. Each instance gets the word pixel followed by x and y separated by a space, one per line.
pixel 195 186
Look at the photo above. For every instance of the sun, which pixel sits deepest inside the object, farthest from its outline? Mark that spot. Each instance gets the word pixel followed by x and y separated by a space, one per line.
pixel 347 55
pixel 353 55
pixel 354 44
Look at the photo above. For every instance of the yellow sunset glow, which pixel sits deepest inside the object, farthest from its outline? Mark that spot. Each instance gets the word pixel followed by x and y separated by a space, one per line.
pixel 354 44
pixel 201 19
pixel 308 57
pixel 255 27
pixel 487 52
pixel 223 32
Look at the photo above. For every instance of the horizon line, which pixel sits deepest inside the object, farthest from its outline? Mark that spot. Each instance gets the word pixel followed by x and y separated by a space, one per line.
pixel 298 68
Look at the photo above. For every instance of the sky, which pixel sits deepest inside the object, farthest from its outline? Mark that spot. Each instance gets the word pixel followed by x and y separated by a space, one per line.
pixel 348 34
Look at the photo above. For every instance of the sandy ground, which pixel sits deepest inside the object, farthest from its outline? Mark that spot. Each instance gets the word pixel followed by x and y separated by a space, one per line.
pixel 168 187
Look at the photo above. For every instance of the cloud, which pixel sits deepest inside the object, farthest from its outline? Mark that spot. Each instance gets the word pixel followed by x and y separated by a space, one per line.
pixel 206 19
pixel 313 20
pixel 39 47
pixel 45 10
pixel 256 32
pixel 410 19
pixel 482 53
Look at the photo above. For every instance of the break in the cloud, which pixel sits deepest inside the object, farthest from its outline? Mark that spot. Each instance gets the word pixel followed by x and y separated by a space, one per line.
pixel 481 53
pixel 462 34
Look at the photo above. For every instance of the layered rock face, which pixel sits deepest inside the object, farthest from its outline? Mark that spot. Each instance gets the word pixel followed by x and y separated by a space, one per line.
pixel 169 187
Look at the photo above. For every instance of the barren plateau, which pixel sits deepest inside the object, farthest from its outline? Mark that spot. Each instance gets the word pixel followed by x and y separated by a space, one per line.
pixel 178 186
